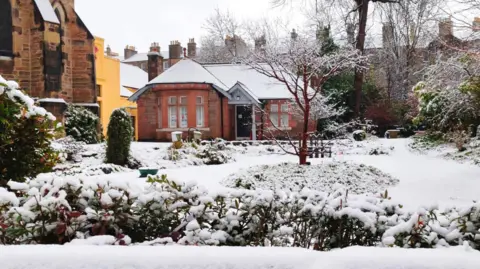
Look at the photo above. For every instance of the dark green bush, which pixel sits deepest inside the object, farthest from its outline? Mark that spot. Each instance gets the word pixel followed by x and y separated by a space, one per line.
pixel 82 124
pixel 119 137
pixel 26 132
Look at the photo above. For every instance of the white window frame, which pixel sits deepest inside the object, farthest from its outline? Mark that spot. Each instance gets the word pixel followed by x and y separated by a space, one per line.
pixel 284 108
pixel 159 112
pixel 172 123
pixel 274 115
pixel 284 120
pixel 172 100
pixel 200 111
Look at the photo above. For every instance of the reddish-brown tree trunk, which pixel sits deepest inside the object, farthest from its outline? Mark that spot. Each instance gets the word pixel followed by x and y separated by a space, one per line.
pixel 303 147
pixel 360 45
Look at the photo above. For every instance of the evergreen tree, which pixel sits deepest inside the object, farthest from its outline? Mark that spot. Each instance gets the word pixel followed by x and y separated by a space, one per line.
pixel 119 137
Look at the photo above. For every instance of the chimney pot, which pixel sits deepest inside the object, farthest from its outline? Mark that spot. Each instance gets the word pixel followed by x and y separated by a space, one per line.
pixel 129 51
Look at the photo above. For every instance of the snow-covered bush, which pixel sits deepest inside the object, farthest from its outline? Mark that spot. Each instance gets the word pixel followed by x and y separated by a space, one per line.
pixel 82 124
pixel 26 132
pixel 357 178
pixel 70 148
pixel 51 210
pixel 359 135
pixel 212 155
pixel 119 137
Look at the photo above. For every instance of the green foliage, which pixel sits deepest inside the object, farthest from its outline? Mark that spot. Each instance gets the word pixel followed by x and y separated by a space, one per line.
pixel 25 136
pixel 119 137
pixel 82 124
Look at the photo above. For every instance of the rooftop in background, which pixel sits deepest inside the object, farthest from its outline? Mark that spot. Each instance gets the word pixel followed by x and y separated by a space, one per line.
pixel 131 77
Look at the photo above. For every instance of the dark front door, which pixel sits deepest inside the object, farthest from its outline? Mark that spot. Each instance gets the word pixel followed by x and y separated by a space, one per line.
pixel 133 125
pixel 244 121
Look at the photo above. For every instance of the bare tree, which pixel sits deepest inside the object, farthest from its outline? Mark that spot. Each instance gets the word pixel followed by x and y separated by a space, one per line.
pixel 298 64
pixel 361 7
pixel 223 42
pixel 405 32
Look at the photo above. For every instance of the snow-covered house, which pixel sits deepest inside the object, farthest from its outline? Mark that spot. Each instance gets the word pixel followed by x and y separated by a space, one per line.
pixel 218 99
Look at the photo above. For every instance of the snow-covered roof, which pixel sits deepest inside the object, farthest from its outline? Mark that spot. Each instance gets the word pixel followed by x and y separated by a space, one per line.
pixel 256 83
pixel 132 76
pixel 46 10
pixel 188 71
pixel 124 92
pixel 143 57
pixel 223 77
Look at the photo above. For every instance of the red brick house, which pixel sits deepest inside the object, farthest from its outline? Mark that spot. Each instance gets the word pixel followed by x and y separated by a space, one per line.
pixel 220 100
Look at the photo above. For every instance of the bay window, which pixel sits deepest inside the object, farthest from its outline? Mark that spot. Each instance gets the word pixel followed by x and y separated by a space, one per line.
pixel 284 116
pixel 274 114
pixel 200 111
pixel 172 112
pixel 183 112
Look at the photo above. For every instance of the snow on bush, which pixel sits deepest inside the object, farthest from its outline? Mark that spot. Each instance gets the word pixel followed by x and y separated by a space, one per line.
pixel 82 124
pixel 358 178
pixel 26 133
pixel 53 210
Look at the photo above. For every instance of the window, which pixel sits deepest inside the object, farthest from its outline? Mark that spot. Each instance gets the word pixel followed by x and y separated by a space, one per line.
pixel 99 90
pixel 274 114
pixel 165 65
pixel 172 112
pixel 172 116
pixel 284 116
pixel 6 37
pixel 159 112
pixel 200 111
pixel 177 112
pixel 183 112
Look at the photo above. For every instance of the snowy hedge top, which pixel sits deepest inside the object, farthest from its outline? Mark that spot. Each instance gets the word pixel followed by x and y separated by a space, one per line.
pixel 11 90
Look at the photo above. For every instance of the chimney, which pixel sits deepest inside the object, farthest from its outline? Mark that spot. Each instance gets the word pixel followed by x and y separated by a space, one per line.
pixel 192 48
pixel 293 35
pixel 476 24
pixel 260 44
pixel 351 34
pixel 129 52
pixel 109 51
pixel 155 61
pixel 175 50
pixel 445 28
pixel 387 34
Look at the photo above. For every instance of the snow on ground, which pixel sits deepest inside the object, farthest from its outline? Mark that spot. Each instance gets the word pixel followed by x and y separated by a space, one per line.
pixel 424 180
pixel 357 178
pixel 177 257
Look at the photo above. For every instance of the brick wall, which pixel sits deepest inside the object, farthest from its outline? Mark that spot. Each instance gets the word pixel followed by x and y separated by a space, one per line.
pixel 154 104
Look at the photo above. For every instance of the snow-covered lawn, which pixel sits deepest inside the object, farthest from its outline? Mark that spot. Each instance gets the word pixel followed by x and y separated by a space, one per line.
pixel 423 179
pixel 177 257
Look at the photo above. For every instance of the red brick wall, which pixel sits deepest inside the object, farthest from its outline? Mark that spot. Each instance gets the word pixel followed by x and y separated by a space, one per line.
pixel 148 111
pixel 295 121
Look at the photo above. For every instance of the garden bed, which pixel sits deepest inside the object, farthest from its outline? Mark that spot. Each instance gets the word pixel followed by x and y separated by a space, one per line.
pixel 357 178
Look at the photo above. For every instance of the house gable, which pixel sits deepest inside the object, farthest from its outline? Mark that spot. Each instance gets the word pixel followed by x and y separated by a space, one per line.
pixel 241 95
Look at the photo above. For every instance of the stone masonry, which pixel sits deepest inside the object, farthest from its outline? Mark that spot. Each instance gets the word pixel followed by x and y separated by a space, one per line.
pixel 51 60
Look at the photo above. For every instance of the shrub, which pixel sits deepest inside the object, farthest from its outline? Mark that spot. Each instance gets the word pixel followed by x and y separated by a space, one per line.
pixel 119 137
pixel 82 124
pixel 212 156
pixel 51 210
pixel 359 135
pixel 26 132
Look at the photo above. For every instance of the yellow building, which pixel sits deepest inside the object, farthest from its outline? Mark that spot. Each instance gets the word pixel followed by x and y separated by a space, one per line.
pixel 115 83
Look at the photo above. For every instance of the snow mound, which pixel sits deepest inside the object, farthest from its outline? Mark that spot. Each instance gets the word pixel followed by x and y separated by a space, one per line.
pixel 358 178
pixel 175 257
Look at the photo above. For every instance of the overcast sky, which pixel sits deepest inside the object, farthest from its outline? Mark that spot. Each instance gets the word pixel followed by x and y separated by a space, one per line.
pixel 141 22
